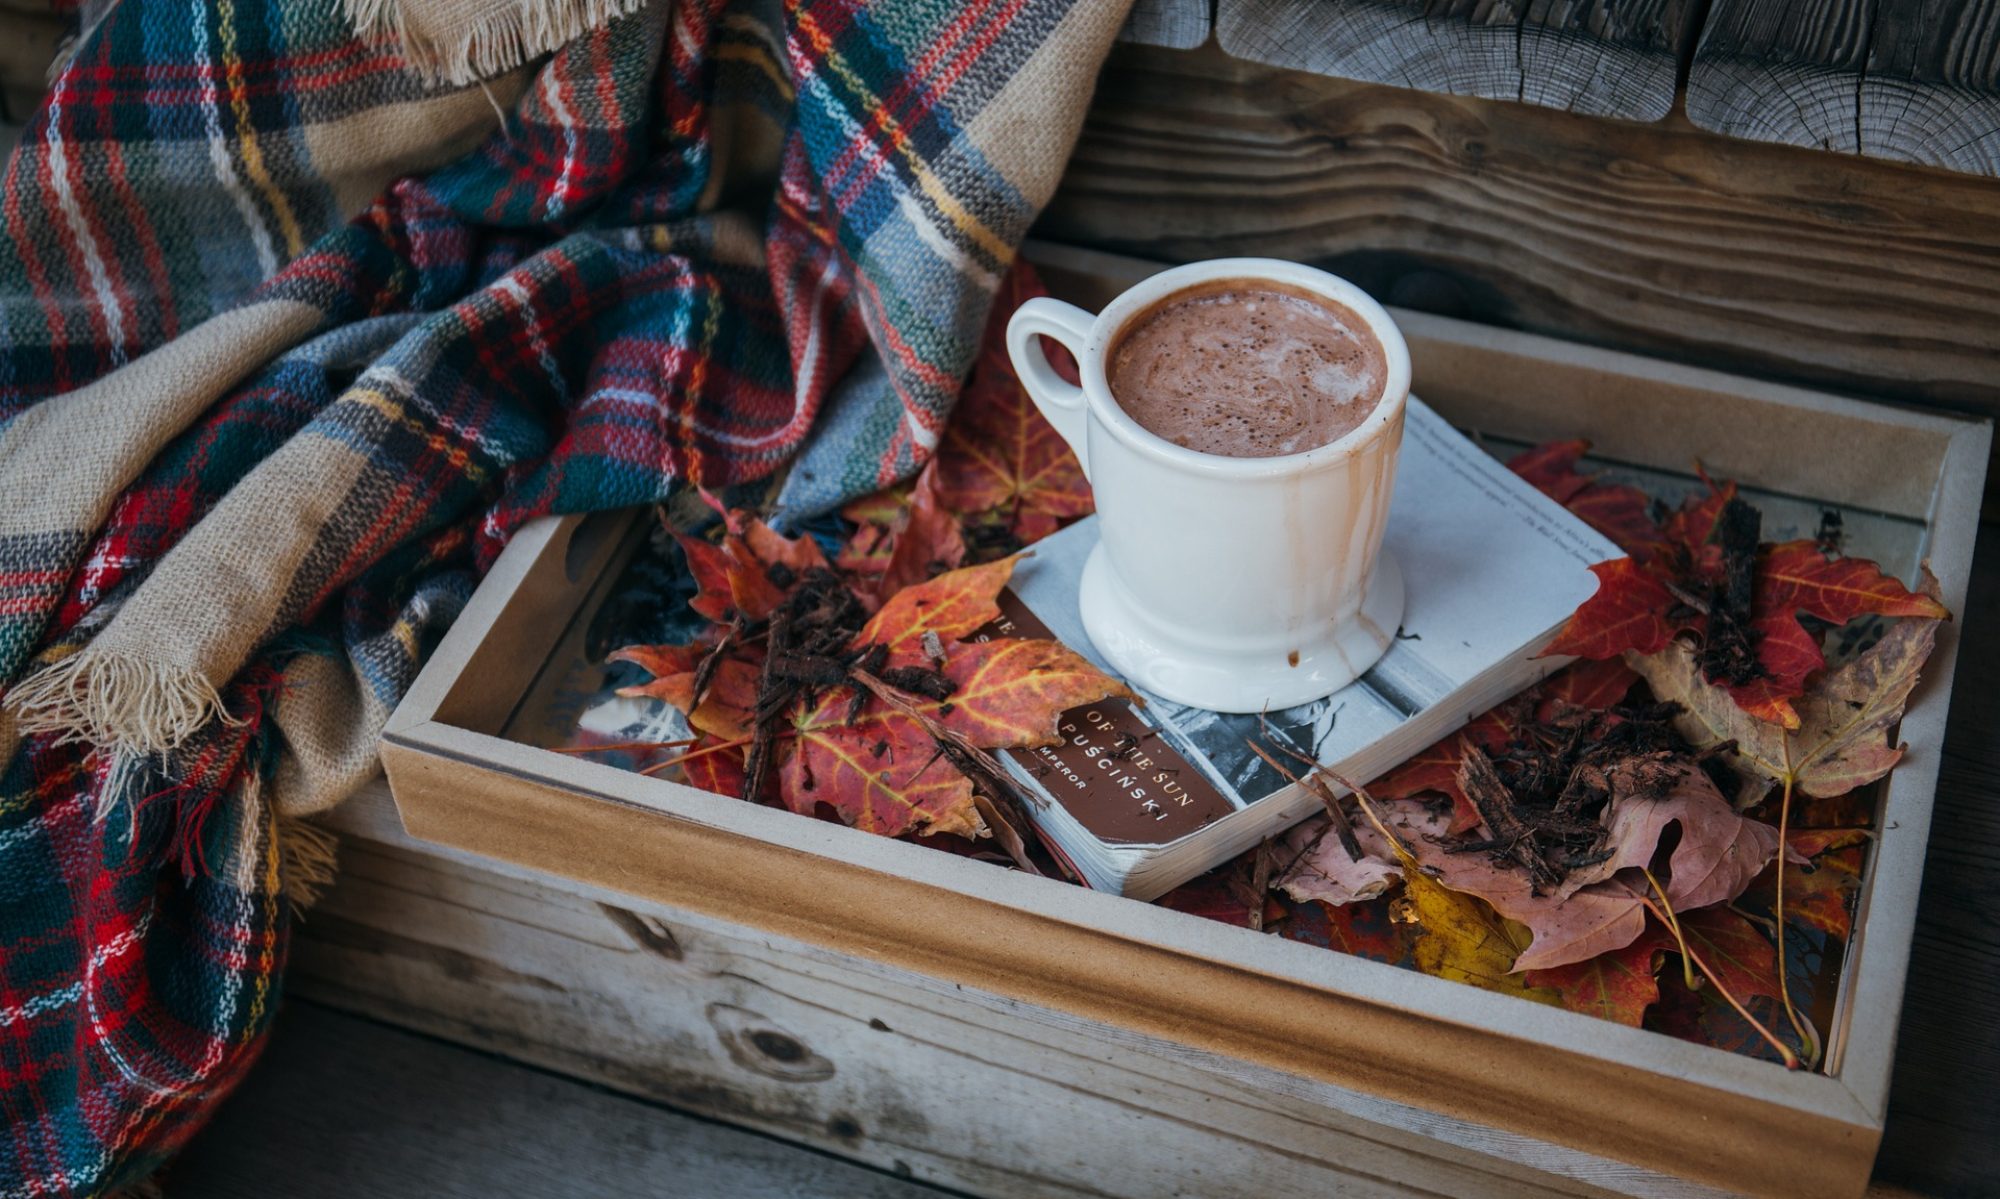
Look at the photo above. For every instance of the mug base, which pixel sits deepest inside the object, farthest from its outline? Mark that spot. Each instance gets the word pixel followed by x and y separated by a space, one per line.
pixel 1232 681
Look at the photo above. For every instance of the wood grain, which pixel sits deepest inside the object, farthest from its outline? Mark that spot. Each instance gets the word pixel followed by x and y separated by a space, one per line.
pixel 1616 58
pixel 1859 276
pixel 1777 71
pixel 1911 80
pixel 1931 93
pixel 931 1080
pixel 1943 1133
pixel 342 1106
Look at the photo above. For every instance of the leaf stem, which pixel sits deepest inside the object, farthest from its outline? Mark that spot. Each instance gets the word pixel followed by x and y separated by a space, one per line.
pixel 1674 926
pixel 1664 911
pixel 704 751
pixel 1807 1040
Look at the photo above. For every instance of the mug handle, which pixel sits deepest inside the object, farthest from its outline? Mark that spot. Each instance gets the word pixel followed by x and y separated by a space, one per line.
pixel 1061 402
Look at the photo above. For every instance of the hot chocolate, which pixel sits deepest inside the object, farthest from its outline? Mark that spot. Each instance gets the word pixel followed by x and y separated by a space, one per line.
pixel 1247 369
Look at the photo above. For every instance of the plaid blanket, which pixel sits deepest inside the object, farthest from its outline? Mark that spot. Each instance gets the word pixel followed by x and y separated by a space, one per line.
pixel 292 337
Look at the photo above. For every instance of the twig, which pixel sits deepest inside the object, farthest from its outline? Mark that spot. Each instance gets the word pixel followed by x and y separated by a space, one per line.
pixel 1260 885
pixel 1337 818
pixel 608 746
pixel 976 764
pixel 1339 821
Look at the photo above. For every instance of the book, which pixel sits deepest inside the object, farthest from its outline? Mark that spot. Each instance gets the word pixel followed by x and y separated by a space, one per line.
pixel 1142 797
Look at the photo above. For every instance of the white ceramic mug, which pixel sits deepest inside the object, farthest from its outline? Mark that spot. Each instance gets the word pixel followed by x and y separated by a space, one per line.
pixel 1234 584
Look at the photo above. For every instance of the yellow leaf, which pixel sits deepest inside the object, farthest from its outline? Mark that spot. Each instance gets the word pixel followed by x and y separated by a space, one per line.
pixel 1463 938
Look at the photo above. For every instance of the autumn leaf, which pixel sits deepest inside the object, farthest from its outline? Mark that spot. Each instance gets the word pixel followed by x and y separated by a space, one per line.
pixel 1736 954
pixel 1821 879
pixel 710 568
pixel 883 773
pixel 1322 870
pixel 1463 939
pixel 928 541
pixel 1620 512
pixel 950 606
pixel 1842 741
pixel 1629 611
pixel 715 764
pixel 1692 526
pixel 1012 691
pixel 1797 576
pixel 1715 854
pixel 750 573
pixel 1363 930
pixel 999 454
pixel 1618 986
pixel 725 708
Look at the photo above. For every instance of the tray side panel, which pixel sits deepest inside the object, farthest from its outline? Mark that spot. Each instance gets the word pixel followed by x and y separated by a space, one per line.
pixel 1671 1125
pixel 860 1059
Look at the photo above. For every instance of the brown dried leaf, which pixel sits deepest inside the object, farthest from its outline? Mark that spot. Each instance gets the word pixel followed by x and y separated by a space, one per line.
pixel 1842 741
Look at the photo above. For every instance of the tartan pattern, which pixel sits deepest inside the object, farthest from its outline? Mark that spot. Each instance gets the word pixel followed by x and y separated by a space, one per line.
pixel 702 225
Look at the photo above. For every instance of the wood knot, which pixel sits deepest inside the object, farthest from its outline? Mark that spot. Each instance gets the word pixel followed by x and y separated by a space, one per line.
pixel 757 1044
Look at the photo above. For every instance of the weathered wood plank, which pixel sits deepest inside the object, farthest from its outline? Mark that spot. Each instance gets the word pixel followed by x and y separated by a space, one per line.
pixel 1615 58
pixel 1612 58
pixel 1777 71
pixel 1860 276
pixel 1177 24
pixel 342 1106
pixel 1931 93
pixel 1910 80
pixel 956 1086
pixel 1943 1132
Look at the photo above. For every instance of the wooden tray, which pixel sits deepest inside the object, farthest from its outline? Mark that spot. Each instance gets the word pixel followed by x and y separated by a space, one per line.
pixel 1583 1105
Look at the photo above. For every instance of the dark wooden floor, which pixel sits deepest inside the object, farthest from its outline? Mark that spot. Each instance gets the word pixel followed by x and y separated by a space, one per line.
pixel 346 1107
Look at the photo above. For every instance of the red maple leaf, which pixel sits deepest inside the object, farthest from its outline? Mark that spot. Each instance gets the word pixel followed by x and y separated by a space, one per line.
pixel 1619 985
pixel 750 573
pixel 1645 600
pixel 1734 952
pixel 1619 511
pixel 1629 611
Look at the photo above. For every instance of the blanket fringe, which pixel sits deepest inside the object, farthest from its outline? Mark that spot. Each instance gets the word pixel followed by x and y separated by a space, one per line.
pixel 307 855
pixel 116 701
pixel 493 43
